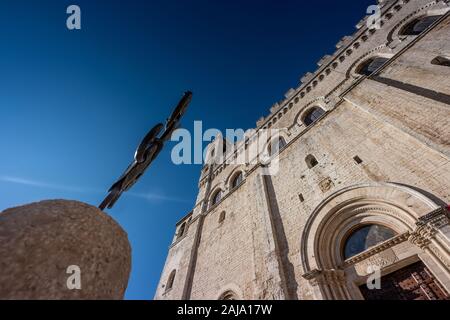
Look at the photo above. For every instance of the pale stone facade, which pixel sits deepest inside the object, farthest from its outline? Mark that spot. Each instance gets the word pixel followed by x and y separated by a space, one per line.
pixel 382 148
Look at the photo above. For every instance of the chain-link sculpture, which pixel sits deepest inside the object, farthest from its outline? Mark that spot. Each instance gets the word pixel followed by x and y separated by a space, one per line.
pixel 146 152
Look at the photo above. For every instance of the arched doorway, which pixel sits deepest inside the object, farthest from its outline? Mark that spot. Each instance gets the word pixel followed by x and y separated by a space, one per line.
pixel 402 231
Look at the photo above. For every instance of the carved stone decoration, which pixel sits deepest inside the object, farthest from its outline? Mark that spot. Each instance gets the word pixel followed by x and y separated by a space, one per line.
pixel 326 185
pixel 330 282
pixel 379 260
pixel 422 238
pixel 59 249
pixel 314 276
pixel 332 276
pixel 440 256
pixel 436 219
pixel 428 226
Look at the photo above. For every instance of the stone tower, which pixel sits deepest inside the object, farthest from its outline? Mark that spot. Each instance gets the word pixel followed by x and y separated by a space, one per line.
pixel 363 181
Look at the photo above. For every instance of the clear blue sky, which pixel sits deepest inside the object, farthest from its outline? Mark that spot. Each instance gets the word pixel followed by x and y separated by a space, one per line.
pixel 75 104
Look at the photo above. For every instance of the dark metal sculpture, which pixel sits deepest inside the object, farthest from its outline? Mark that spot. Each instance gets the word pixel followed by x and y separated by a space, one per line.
pixel 146 152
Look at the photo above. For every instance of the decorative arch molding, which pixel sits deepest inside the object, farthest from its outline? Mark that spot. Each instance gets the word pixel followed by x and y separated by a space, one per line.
pixel 230 288
pixel 395 206
pixel 239 169
pixel 283 132
pixel 381 51
pixel 280 134
pixel 219 187
pixel 321 102
pixel 393 35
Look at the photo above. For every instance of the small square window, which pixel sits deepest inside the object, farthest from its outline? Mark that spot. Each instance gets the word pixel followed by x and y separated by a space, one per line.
pixel 300 196
pixel 357 159
pixel 222 216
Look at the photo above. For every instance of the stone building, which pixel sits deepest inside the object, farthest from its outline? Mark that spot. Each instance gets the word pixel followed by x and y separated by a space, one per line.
pixel 363 181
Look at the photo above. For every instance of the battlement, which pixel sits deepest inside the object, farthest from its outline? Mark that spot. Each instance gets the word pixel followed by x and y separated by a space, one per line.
pixel 336 72
pixel 347 48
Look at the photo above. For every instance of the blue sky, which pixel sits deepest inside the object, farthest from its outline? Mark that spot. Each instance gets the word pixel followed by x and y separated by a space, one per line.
pixel 75 104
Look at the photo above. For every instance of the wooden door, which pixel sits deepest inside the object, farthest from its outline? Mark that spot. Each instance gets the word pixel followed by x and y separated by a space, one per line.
pixel 414 282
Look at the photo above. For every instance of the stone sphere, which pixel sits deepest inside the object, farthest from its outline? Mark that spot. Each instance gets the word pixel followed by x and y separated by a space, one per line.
pixel 60 249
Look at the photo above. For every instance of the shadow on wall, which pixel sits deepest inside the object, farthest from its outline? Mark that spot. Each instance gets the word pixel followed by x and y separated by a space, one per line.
pixel 437 200
pixel 281 242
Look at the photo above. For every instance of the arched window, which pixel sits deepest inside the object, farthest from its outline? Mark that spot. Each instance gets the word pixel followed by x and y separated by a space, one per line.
pixel 170 281
pixel 181 230
pixel 419 25
pixel 312 115
pixel 365 237
pixel 222 216
pixel 216 197
pixel 311 161
pixel 370 66
pixel 237 180
pixel 228 295
pixel 276 145
pixel 441 61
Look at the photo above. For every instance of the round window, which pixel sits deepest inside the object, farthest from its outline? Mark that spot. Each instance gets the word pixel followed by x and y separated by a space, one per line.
pixel 365 237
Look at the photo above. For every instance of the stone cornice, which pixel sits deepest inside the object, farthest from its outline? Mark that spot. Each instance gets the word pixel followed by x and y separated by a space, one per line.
pixel 436 218
pixel 428 226
pixel 329 276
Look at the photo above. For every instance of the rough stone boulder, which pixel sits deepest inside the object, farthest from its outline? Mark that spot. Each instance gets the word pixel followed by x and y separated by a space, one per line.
pixel 49 248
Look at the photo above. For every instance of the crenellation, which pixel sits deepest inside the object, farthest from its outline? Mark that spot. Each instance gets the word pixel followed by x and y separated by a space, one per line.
pixel 363 36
